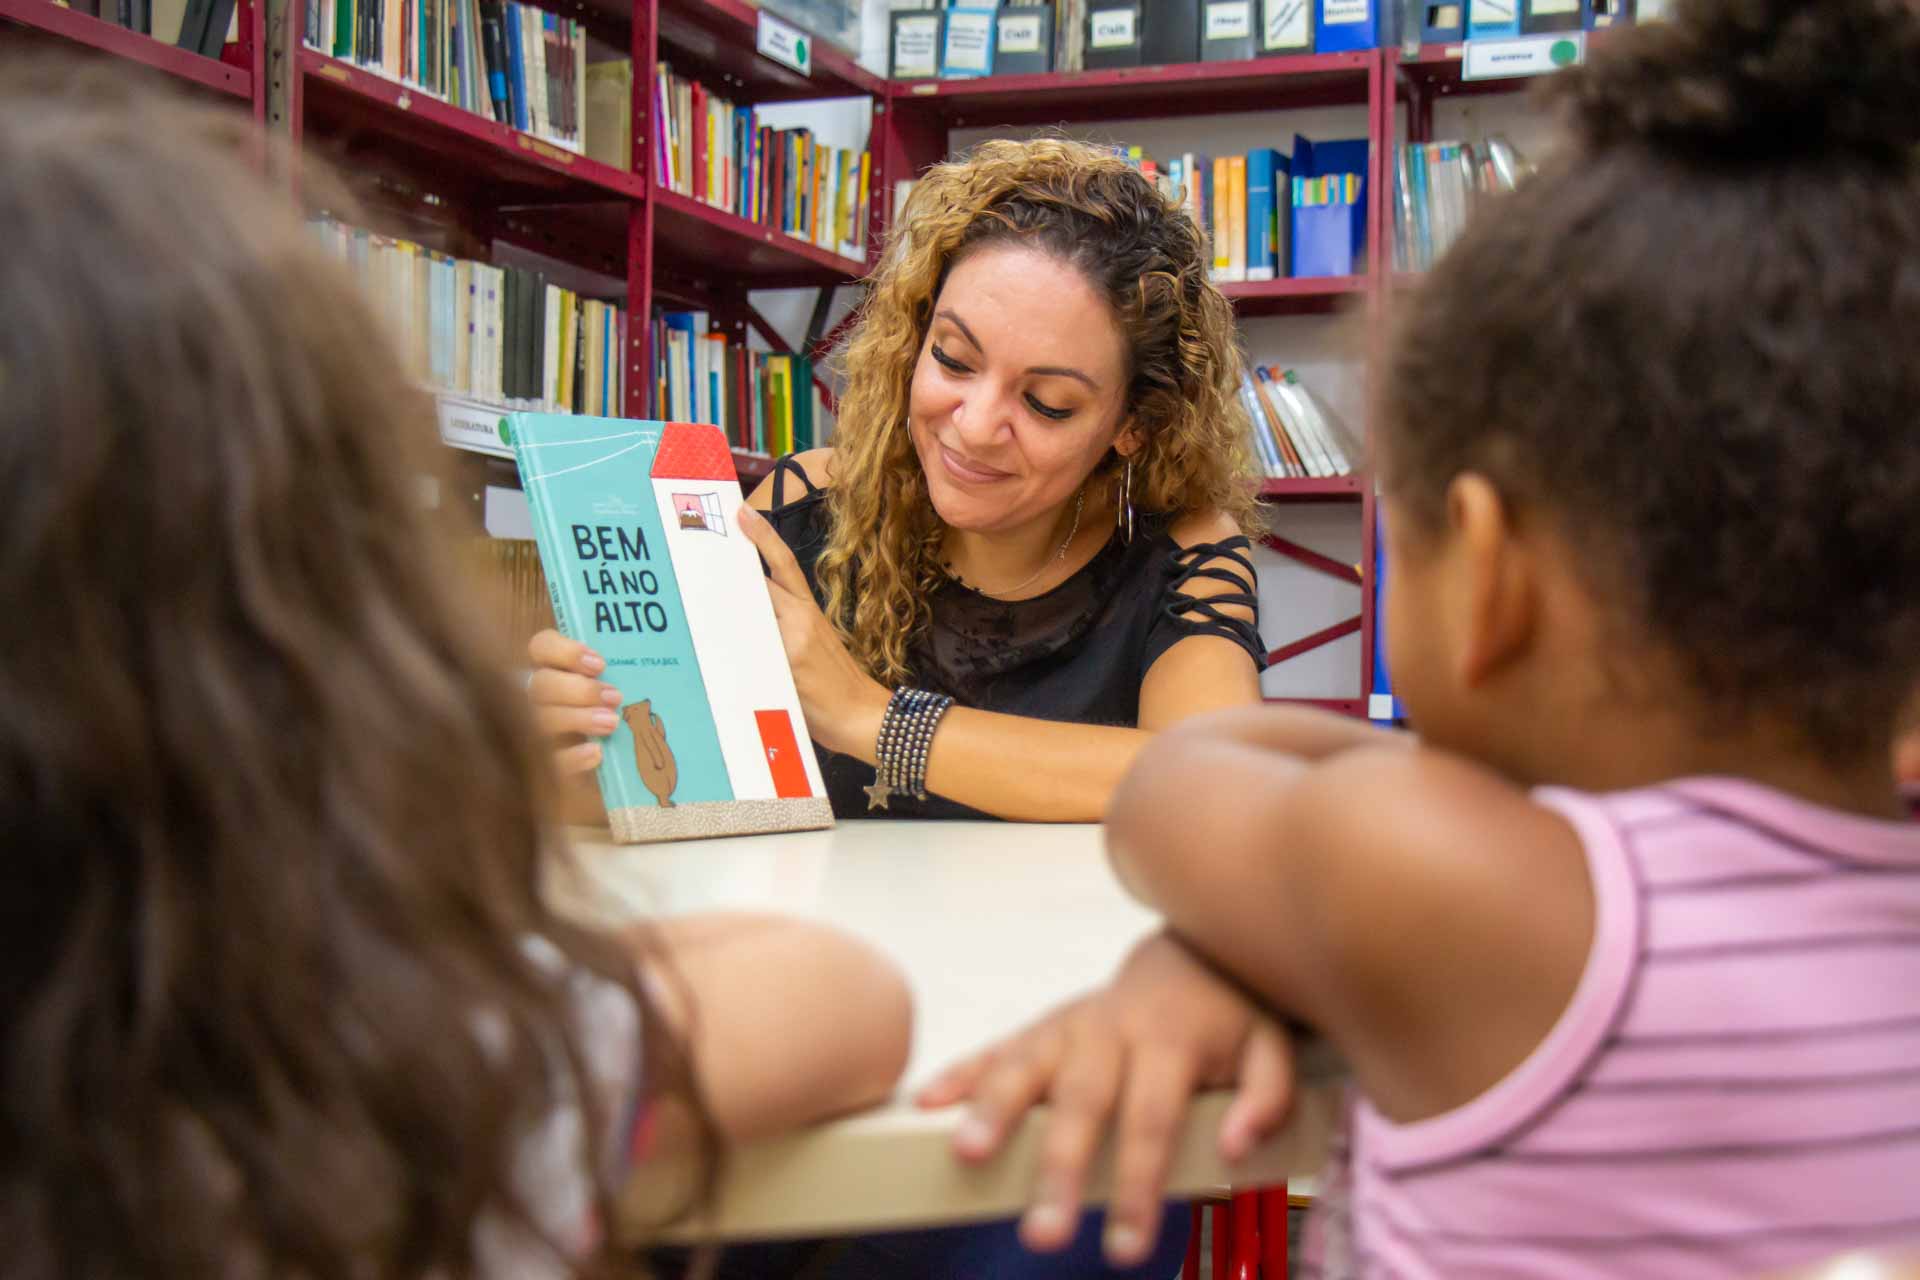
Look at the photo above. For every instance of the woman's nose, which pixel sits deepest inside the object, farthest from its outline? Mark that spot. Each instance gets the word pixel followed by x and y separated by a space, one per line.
pixel 983 418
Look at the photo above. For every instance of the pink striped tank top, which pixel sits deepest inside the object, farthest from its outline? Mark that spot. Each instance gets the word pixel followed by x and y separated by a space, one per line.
pixel 1734 1089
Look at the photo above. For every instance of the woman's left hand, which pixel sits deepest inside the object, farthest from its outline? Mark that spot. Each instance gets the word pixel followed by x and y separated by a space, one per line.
pixel 842 703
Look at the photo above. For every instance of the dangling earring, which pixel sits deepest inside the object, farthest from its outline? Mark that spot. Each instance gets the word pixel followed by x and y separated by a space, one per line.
pixel 1123 514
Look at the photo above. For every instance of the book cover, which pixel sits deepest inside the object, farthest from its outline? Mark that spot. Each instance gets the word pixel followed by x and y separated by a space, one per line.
pixel 635 526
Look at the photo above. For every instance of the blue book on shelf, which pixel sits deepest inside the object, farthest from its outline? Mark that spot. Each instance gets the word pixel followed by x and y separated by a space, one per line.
pixel 1345 26
pixel 1329 206
pixel 1442 23
pixel 1268 172
pixel 1381 704
pixel 516 67
pixel 635 524
pixel 1493 19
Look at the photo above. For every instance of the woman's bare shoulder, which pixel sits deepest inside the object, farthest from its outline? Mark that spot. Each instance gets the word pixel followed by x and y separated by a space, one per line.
pixel 816 463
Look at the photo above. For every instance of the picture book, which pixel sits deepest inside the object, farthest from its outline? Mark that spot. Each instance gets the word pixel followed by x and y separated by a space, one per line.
pixel 635 526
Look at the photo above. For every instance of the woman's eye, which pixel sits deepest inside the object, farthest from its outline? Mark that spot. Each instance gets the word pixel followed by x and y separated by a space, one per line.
pixel 946 361
pixel 1047 410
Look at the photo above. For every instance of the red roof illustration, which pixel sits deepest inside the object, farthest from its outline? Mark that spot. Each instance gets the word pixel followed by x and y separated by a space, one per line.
pixel 692 451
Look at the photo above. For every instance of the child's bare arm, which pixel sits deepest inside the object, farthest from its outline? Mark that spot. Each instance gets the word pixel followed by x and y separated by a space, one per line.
pixel 1423 912
pixel 788 1021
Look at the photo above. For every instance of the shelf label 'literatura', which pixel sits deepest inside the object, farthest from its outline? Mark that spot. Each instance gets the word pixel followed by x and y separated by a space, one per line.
pixel 1528 56
pixel 784 44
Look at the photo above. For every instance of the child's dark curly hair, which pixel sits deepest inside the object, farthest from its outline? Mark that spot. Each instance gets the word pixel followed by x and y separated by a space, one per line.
pixel 1693 344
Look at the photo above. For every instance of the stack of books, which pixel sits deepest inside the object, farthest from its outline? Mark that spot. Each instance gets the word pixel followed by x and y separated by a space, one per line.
pixel 1435 187
pixel 517 64
pixel 718 153
pixel 765 402
pixel 504 336
pixel 1295 436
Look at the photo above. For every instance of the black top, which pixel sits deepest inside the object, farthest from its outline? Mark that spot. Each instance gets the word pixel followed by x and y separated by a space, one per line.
pixel 1076 653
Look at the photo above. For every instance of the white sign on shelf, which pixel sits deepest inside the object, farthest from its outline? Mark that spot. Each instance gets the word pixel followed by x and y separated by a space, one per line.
pixel 1527 56
pixel 1229 19
pixel 786 45
pixel 1112 29
pixel 470 425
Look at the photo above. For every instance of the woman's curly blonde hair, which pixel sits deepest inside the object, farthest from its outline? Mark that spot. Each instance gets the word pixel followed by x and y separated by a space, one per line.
pixel 1087 208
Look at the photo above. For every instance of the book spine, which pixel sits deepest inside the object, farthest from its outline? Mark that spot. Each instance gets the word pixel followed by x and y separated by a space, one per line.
pixel 516 65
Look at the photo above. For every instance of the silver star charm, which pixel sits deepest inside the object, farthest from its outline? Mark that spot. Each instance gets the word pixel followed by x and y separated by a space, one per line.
pixel 877 795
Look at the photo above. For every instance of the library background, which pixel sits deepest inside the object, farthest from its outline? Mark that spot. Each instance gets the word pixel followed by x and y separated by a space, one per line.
pixel 663 208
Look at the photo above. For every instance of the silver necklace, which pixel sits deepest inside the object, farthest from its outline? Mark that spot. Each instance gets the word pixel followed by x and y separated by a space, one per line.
pixel 1079 501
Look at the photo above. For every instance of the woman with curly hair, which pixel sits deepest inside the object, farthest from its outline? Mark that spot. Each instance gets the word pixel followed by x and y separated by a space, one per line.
pixel 1036 504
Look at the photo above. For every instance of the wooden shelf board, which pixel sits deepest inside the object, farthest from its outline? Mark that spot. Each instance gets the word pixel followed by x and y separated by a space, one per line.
pixel 96 33
pixel 1190 88
pixel 694 239
pixel 713 41
pixel 473 154
pixel 1327 489
pixel 1292 296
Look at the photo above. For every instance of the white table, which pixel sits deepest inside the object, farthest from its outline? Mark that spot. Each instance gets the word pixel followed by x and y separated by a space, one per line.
pixel 993 923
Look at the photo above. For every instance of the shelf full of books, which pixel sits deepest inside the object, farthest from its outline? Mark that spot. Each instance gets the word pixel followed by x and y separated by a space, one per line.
pixel 715 151
pixel 1435 187
pixel 492 338
pixel 1296 437
pixel 766 402
pixel 164 36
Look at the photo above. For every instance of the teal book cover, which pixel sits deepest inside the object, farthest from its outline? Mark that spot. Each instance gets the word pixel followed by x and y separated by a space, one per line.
pixel 635 525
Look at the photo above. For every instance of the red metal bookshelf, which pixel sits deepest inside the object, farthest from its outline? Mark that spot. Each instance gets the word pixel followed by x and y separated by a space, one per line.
pixel 714 40
pixel 1295 296
pixel 364 111
pixel 1328 489
pixel 106 37
pixel 704 241
pixel 1195 88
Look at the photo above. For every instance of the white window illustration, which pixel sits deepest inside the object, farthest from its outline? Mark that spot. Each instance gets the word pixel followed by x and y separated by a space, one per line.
pixel 700 511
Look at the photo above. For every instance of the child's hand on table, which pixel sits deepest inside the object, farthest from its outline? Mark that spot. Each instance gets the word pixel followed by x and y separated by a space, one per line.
pixel 1129 1056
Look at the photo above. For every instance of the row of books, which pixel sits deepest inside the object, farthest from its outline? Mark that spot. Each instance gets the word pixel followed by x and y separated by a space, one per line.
pixel 1269 216
pixel 1435 185
pixel 503 335
pixel 513 62
pixel 199 26
pixel 1295 436
pixel 717 152
pixel 765 402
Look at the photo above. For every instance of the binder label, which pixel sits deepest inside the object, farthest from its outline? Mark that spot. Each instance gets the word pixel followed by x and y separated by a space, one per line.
pixel 1113 29
pixel 1346 12
pixel 916 46
pixel 1230 19
pixel 1288 24
pixel 969 42
pixel 1020 33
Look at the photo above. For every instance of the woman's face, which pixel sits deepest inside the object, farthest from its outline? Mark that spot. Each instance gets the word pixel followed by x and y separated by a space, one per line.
pixel 1019 390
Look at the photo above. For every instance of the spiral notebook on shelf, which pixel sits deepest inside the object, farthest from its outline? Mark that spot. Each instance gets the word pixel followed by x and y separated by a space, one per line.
pixel 635 522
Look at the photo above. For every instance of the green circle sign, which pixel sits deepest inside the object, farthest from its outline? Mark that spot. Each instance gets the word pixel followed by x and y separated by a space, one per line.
pixel 1564 53
pixel 800 52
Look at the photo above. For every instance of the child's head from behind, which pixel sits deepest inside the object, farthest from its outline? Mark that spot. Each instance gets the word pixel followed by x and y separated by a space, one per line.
pixel 271 815
pixel 1681 363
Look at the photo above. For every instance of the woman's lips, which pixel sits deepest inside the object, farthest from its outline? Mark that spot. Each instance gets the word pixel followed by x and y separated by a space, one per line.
pixel 967 471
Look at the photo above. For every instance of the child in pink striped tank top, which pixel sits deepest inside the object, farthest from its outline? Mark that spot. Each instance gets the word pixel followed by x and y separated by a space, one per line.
pixel 1623 950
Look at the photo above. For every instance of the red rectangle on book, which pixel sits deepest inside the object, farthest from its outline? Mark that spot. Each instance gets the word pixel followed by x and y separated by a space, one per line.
pixel 783 755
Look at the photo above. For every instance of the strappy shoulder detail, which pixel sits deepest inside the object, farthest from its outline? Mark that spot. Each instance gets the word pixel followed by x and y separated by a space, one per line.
pixel 1183 613
pixel 789 465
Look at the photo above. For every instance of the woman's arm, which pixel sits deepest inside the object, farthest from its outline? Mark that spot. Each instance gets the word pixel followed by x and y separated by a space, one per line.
pixel 788 1022
pixel 1010 766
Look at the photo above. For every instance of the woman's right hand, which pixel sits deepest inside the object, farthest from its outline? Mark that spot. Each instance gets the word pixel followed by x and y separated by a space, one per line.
pixel 571 704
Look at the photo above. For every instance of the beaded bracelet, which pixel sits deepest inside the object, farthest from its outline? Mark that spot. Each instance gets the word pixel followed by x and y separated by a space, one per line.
pixel 905 739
